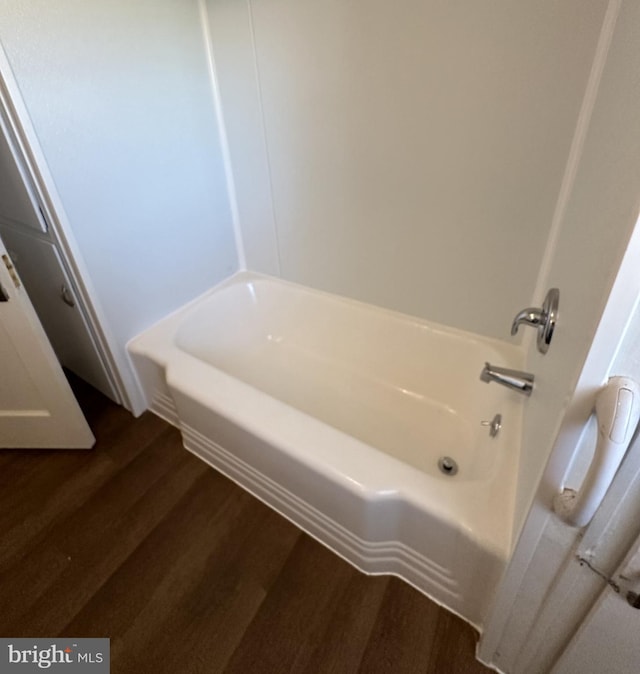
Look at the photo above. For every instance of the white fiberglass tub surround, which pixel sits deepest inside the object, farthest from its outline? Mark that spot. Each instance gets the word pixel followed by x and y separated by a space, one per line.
pixel 335 413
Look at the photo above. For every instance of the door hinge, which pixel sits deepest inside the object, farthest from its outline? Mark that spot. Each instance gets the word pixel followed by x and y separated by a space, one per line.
pixel 610 582
pixel 12 270
pixel 632 597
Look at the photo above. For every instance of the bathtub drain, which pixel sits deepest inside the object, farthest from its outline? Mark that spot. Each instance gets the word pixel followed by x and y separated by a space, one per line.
pixel 447 465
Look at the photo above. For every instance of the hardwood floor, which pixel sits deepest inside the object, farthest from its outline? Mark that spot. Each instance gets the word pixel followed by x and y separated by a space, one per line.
pixel 140 541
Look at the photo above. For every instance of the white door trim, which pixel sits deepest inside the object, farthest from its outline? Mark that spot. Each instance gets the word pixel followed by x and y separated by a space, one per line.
pixel 31 157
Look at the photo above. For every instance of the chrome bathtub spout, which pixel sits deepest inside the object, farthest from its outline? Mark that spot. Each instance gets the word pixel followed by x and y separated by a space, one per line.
pixel 522 382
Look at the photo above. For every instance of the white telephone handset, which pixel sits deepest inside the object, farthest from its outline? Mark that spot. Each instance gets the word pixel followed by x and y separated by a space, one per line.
pixel 617 410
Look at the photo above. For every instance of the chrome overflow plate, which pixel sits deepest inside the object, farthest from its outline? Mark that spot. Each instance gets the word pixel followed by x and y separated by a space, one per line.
pixel 494 425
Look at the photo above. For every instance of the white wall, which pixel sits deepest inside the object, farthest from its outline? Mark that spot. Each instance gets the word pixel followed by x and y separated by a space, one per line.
pixel 408 154
pixel 119 95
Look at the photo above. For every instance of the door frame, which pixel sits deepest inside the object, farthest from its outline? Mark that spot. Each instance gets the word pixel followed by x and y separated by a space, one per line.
pixel 30 156
pixel 596 644
pixel 536 594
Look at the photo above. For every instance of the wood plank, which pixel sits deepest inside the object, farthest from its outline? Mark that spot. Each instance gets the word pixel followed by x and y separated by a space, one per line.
pixel 140 541
pixel 97 538
pixel 452 644
pixel 58 481
pixel 403 637
pixel 212 593
pixel 289 625
pixel 343 643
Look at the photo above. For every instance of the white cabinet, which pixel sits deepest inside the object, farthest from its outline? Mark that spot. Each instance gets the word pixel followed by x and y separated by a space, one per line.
pixel 36 254
pixel 51 291
pixel 18 204
pixel 37 407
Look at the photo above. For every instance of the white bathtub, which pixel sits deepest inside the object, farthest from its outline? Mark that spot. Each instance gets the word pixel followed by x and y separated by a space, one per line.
pixel 335 413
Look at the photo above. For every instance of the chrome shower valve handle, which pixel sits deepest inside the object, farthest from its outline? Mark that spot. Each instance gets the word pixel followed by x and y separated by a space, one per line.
pixel 543 319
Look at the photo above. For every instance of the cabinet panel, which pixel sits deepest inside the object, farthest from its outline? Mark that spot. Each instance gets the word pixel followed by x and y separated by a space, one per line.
pixel 51 294
pixel 17 202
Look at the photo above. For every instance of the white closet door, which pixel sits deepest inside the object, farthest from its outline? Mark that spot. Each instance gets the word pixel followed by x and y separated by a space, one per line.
pixel 37 407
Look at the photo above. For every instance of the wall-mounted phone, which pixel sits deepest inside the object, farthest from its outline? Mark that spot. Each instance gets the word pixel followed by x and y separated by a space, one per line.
pixel 617 410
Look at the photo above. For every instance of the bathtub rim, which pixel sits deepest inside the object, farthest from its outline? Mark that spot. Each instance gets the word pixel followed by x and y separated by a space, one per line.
pixel 514 352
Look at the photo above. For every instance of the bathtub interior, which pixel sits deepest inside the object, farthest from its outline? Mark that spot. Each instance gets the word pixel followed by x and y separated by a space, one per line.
pixel 347 446
pixel 359 369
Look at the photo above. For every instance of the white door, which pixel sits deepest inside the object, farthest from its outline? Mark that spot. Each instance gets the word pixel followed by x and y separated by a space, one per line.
pixel 607 640
pixel 37 407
